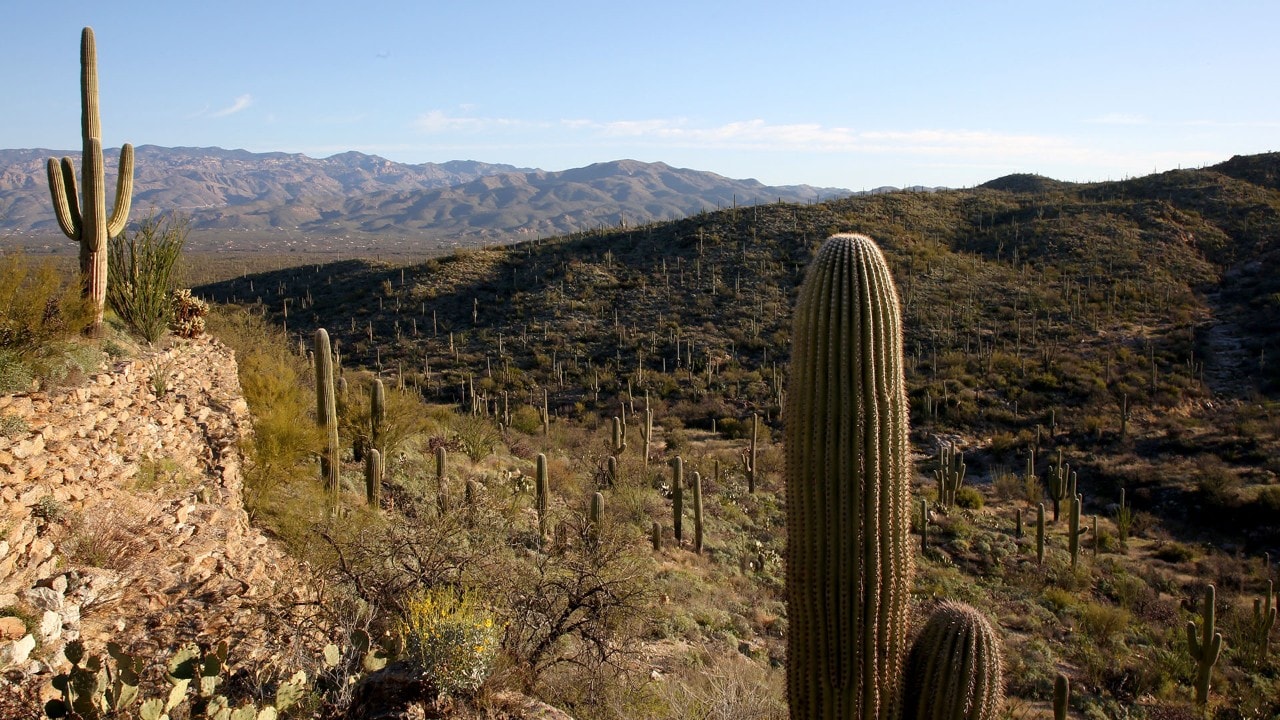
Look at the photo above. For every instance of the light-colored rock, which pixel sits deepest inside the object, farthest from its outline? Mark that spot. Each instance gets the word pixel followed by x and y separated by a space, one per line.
pixel 17 651
pixel 12 628
pixel 50 626
pixel 44 598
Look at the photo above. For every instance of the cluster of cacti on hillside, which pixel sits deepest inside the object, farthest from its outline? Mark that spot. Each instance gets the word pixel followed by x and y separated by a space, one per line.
pixel 849 565
pixel 84 219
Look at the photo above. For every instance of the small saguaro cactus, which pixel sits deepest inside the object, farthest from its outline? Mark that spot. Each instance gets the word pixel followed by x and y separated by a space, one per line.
pixel 646 430
pixel 749 458
pixel 85 220
pixel 697 513
pixel 1206 649
pixel 655 535
pixel 955 668
pixel 594 515
pixel 611 471
pixel 1061 696
pixel 326 411
pixel 373 478
pixel 950 474
pixel 924 525
pixel 1059 484
pixel 677 498
pixel 1073 529
pixel 849 563
pixel 1040 533
pixel 442 488
pixel 619 436
pixel 541 492
pixel 1264 618
pixel 378 415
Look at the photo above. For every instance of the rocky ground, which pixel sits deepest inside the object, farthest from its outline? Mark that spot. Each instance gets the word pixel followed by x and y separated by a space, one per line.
pixel 122 520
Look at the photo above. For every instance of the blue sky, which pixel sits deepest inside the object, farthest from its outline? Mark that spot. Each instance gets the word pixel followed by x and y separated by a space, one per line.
pixel 854 94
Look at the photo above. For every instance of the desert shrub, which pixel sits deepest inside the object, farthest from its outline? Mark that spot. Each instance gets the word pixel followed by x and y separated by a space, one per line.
pixel 452 637
pixel 285 437
pixel 525 419
pixel 478 436
pixel 36 306
pixel 141 266
pixel 1174 552
pixel 969 498
pixel 1103 623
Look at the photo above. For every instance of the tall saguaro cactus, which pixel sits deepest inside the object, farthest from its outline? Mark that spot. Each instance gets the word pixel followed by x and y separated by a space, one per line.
pixel 1206 649
pixel 849 564
pixel 85 220
pixel 327 412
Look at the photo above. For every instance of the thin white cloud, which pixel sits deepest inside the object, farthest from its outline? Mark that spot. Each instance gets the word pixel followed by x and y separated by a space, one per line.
pixel 1119 118
pixel 438 122
pixel 240 103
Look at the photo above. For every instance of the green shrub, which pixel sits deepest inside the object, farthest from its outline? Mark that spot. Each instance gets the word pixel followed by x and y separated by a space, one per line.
pixel 452 637
pixel 141 265
pixel 969 498
pixel 38 310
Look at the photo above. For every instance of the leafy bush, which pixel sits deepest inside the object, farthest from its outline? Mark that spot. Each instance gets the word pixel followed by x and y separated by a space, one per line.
pixel 452 637
pixel 141 267
pixel 38 312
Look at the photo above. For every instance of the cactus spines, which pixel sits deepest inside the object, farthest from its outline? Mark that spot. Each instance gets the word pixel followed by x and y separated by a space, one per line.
pixel 1206 649
pixel 85 220
pixel 541 492
pixel 1061 696
pixel 955 669
pixel 1040 533
pixel 697 513
pixel 849 565
pixel 373 478
pixel 677 498
pixel 619 436
pixel 326 411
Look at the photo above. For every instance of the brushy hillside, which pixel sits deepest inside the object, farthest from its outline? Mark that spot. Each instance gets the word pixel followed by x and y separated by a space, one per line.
pixel 1125 328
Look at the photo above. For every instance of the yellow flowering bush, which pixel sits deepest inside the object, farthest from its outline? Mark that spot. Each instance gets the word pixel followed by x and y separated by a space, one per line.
pixel 452 637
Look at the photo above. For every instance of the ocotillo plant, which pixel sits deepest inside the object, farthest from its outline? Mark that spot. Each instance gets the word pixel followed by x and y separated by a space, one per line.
pixel 677 499
pixel 697 513
pixel 849 565
pixel 541 492
pixel 1206 649
pixel 955 669
pixel 326 412
pixel 85 220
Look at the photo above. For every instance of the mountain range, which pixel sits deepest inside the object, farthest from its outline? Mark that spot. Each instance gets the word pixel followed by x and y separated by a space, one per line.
pixel 452 203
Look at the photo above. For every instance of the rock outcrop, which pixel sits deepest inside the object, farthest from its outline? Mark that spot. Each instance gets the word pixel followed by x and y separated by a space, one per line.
pixel 122 519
